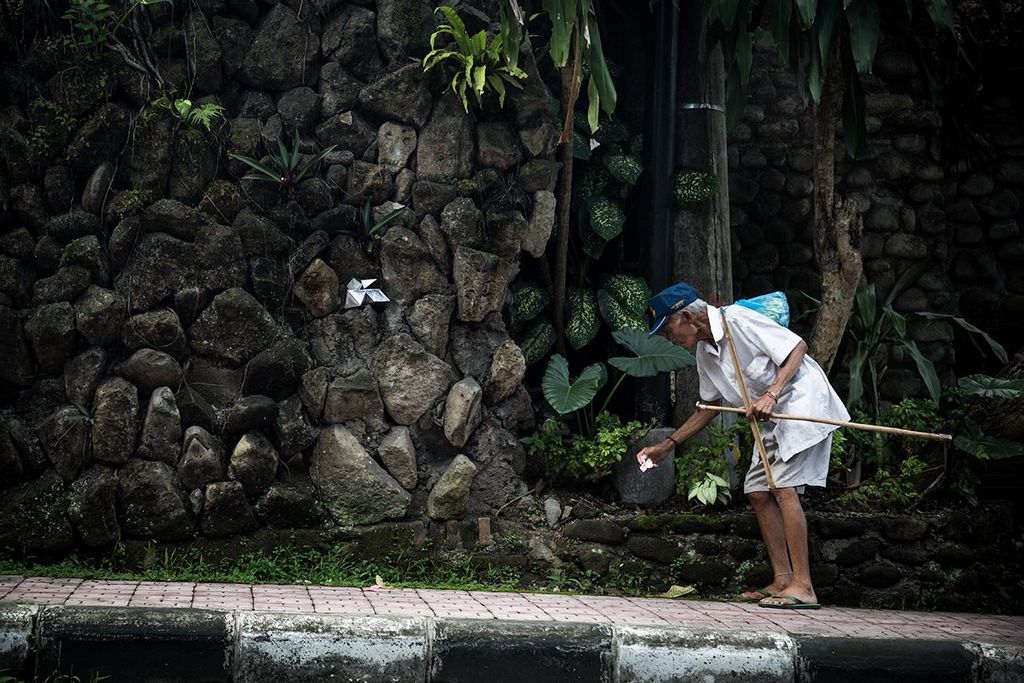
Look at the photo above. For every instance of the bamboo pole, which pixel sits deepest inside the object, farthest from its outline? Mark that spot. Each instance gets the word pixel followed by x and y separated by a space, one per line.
pixel 755 430
pixel 838 423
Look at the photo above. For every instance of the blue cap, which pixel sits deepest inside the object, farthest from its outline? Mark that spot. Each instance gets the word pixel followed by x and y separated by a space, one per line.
pixel 668 301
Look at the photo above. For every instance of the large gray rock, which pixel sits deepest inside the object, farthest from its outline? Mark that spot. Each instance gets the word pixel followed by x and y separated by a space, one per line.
pixel 101 138
pixel 462 411
pixel 436 244
pixel 92 507
pixel 368 181
pixel 203 460
pixel 398 454
pixel 159 267
pixel 463 223
pixel 404 28
pixel 50 332
pixel 348 131
pixel 283 54
pixel 344 340
pixel 651 487
pixel 481 280
pixel 505 230
pixel 234 328
pixel 339 89
pixel 34 516
pixel 66 227
pixel 448 498
pixel 151 502
pixel 355 397
pixel 259 236
pixel 354 488
pixel 317 288
pixel 160 438
pixel 144 168
pixel 350 37
pixel 429 197
pixel 299 108
pixel 159 329
pixel 82 375
pixel 508 366
pixel 221 258
pixel 174 218
pixel 253 463
pixel 400 95
pixel 429 320
pixel 292 431
pixel 446 150
pixel 203 53
pixel 226 511
pixel 497 146
pixel 408 269
pixel 87 252
pixel 17 366
pixel 65 438
pixel 250 413
pixel 411 380
pixel 64 285
pixel 148 369
pixel 291 504
pixel 501 461
pixel 277 371
pixel 542 221
pixel 473 346
pixel 395 144
pixel 114 421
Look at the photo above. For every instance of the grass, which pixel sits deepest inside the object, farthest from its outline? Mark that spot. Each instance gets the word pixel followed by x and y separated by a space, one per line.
pixel 286 565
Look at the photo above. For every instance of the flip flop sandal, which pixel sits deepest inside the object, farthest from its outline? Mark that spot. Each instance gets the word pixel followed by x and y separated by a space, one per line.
pixel 760 591
pixel 796 603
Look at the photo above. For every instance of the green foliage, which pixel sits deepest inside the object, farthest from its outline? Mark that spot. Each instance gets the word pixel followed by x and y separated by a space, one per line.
pixel 477 63
pixel 652 355
pixel 284 167
pixel 892 488
pixel 625 168
pixel 527 301
pixel 623 302
pixel 94 23
pixel 607 218
pixel 693 187
pixel 571 456
pixel 537 341
pixel 373 227
pixel 805 37
pixel 201 115
pixel 583 319
pixel 702 472
pixel 991 387
pixel 566 396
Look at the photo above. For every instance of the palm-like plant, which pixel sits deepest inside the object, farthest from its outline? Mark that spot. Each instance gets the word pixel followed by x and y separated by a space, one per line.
pixel 284 167
pixel 478 62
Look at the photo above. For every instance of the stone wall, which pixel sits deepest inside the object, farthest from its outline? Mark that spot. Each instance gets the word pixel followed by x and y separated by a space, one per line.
pixel 965 224
pixel 176 356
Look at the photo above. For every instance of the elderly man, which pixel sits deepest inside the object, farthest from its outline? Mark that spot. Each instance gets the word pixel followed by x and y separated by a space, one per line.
pixel 780 378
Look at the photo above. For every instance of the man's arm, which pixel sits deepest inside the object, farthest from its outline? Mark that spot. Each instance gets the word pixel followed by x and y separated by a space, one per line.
pixel 765 404
pixel 696 422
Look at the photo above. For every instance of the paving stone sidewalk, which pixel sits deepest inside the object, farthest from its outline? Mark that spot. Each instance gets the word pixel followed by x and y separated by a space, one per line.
pixel 699 614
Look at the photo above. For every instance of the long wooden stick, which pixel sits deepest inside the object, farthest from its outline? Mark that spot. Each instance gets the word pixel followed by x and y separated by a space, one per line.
pixel 754 429
pixel 840 423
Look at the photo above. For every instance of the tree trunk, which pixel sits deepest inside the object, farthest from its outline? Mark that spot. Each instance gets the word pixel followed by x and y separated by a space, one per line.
pixel 837 228
pixel 570 90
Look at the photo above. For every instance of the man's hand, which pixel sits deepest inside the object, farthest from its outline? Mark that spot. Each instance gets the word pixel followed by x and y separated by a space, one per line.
pixel 651 455
pixel 762 408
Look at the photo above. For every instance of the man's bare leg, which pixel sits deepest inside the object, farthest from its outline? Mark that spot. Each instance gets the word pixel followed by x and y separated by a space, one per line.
pixel 770 521
pixel 794 524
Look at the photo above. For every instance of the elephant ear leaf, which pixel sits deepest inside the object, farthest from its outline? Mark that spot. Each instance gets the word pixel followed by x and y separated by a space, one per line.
pixel 565 396
pixel 991 387
pixel 653 354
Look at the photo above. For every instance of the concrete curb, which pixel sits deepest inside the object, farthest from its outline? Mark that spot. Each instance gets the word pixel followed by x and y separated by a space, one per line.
pixel 140 644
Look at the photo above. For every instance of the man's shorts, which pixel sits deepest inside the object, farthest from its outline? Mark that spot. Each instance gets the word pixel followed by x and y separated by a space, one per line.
pixel 807 468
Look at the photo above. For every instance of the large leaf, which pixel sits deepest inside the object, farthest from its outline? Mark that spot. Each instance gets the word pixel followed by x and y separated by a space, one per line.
pixel 624 168
pixel 864 19
pixel 653 354
pixel 565 396
pixel 996 348
pixel 925 368
pixel 986 447
pixel 779 13
pixel 991 387
pixel 857 361
pixel 630 290
pixel 582 320
pixel 593 244
pixel 807 10
pixel 607 217
pixel 528 299
pixel 941 13
pixel 907 278
pixel 692 187
pixel 538 341
pixel 593 183
pixel 618 316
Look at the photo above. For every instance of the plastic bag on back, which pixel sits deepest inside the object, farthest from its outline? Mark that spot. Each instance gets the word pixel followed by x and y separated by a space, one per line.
pixel 772 305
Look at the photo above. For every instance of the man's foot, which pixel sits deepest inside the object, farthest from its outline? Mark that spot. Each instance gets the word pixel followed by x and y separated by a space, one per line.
pixel 788 602
pixel 772 589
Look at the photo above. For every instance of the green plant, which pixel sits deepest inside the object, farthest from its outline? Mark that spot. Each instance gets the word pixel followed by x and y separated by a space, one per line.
pixel 693 187
pixel 479 63
pixel 94 23
pixel 711 490
pixel 372 228
pixel 702 472
pixel 197 115
pixel 284 167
